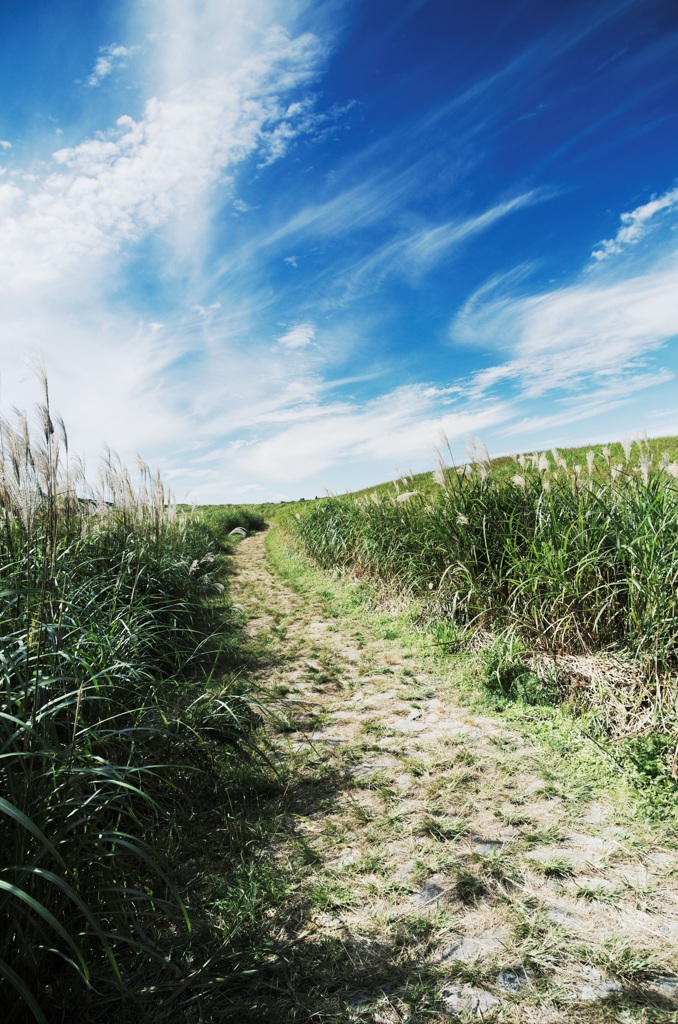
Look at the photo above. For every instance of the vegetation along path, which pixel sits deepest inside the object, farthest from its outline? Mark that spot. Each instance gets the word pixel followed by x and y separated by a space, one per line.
pixel 444 861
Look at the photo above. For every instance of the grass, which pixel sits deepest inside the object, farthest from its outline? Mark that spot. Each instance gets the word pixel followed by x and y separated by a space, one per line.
pixel 598 893
pixel 576 561
pixel 157 873
pixel 119 706
pixel 504 465
pixel 407 861
pixel 469 886
pixel 555 867
pixel 560 575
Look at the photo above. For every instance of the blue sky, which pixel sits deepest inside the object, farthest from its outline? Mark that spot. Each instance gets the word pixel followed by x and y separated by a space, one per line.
pixel 279 247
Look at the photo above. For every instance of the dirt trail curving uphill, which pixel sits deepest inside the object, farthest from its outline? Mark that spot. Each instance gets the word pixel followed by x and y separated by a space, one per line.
pixel 446 865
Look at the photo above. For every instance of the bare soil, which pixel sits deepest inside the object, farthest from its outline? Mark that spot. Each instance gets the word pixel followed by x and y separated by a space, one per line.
pixel 443 864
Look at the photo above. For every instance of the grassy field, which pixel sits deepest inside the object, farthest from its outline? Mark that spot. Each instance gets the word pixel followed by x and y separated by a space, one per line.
pixel 425 483
pixel 145 812
pixel 559 569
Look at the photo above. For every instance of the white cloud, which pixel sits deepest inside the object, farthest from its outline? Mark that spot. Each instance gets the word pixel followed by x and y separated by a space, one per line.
pixel 206 310
pixel 114 189
pixel 571 337
pixel 110 59
pixel 4 144
pixel 636 224
pixel 106 374
pixel 355 207
pixel 9 195
pixel 299 336
pixel 599 402
pixel 427 246
pixel 147 382
pixel 416 252
pixel 394 429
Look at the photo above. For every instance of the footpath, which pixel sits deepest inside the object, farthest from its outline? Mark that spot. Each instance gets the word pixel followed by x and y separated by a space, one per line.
pixel 444 864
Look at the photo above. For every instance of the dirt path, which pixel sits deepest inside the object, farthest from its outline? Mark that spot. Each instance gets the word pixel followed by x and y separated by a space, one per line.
pixel 445 866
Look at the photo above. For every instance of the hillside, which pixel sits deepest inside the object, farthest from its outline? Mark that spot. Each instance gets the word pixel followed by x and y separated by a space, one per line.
pixel 425 483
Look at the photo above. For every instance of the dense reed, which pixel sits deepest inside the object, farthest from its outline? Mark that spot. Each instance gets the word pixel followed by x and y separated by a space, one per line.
pixel 107 638
pixel 573 559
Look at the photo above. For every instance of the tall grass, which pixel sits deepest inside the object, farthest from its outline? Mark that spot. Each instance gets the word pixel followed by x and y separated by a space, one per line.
pixel 106 642
pixel 574 559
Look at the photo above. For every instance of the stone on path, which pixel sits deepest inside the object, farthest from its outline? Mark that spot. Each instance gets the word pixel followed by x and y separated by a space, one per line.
pixel 596 986
pixel 513 979
pixel 466 999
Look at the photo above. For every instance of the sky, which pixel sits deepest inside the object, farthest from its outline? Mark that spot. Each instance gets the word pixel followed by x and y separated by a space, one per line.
pixel 280 247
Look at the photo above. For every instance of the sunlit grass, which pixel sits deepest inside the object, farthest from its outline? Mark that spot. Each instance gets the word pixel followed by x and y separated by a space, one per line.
pixel 570 559
pixel 528 562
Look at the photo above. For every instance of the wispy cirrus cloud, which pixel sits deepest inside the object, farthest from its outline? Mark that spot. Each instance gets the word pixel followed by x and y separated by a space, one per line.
pixel 572 336
pixel 598 338
pixel 637 224
pixel 357 207
pixel 336 211
pixel 387 431
pixel 599 401
pixel 415 252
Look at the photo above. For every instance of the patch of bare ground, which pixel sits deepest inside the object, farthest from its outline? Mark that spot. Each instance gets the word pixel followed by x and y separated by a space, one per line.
pixel 443 865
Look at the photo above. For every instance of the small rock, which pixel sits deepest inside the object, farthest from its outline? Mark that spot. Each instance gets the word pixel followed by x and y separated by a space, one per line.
pixel 513 979
pixel 486 846
pixel 594 843
pixel 465 949
pixel 431 891
pixel 357 1000
pixel 561 913
pixel 363 771
pixel 665 988
pixel 323 737
pixel 573 858
pixel 379 698
pixel 595 815
pixel 407 726
pixel 596 986
pixel 662 860
pixel 469 947
pixel 467 999
pixel 414 714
